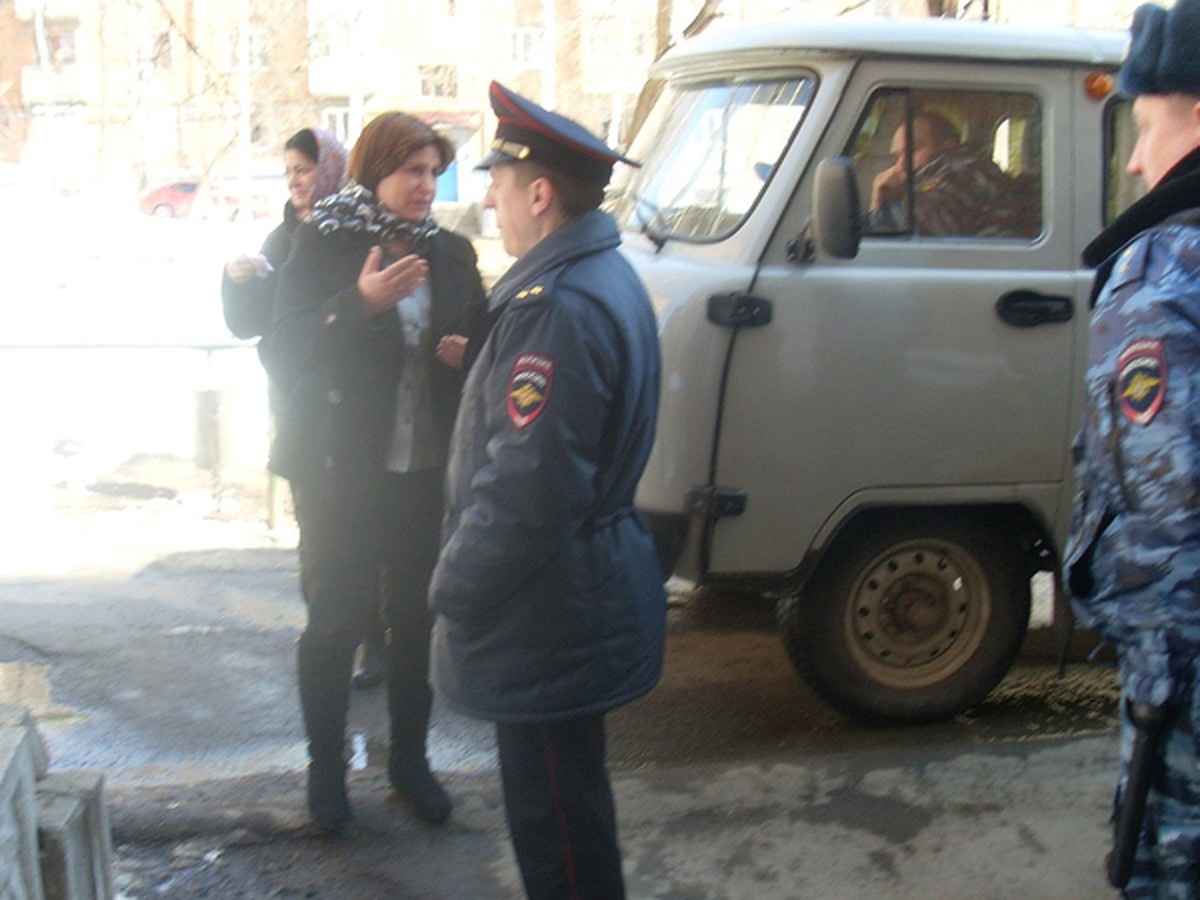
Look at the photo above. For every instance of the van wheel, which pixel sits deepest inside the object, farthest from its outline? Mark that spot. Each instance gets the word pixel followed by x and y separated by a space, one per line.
pixel 911 623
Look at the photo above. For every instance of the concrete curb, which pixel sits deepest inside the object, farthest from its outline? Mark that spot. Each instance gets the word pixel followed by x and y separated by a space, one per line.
pixel 55 839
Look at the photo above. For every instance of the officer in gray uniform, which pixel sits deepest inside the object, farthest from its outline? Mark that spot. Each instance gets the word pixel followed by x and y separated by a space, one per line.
pixel 548 597
pixel 1133 560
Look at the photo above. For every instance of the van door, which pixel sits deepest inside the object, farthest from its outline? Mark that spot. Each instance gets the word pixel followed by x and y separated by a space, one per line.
pixel 696 216
pixel 902 427
pixel 934 368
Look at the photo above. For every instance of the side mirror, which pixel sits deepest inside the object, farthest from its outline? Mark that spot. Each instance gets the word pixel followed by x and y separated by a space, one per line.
pixel 837 211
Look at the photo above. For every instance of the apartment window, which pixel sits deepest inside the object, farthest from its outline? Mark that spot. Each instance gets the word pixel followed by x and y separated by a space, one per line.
pixel 337 120
pixel 60 40
pixel 439 81
pixel 525 46
pixel 257 41
pixel 334 37
pixel 604 39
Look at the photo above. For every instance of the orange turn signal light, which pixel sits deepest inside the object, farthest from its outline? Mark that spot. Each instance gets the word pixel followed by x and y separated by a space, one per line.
pixel 1098 85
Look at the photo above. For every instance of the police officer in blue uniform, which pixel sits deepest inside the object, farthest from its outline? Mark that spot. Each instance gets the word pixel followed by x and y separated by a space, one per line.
pixel 1133 560
pixel 548 599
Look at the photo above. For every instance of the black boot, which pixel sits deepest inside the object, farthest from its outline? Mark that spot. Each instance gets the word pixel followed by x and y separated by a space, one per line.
pixel 324 699
pixel 409 705
pixel 410 776
pixel 328 804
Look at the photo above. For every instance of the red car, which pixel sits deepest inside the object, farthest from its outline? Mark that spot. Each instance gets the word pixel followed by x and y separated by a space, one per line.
pixel 170 201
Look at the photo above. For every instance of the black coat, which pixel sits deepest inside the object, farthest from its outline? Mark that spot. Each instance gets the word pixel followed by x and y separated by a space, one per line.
pixel 548 595
pixel 337 369
pixel 247 306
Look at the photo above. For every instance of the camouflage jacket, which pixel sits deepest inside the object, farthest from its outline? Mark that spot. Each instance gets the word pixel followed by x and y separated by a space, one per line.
pixel 1133 559
pixel 954 195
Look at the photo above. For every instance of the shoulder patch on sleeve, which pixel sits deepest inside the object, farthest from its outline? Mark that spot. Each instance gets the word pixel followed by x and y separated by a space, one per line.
pixel 1142 380
pixel 529 387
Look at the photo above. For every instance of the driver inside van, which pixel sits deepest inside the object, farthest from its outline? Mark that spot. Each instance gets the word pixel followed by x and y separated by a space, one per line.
pixel 953 192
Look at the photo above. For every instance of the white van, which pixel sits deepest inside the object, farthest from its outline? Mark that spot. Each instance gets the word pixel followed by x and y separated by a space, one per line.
pixel 873 362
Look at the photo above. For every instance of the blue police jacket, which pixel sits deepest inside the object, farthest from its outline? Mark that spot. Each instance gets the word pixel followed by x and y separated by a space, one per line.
pixel 548 598
pixel 1133 559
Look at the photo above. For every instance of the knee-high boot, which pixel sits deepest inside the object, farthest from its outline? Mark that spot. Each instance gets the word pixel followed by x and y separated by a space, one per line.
pixel 324 698
pixel 409 703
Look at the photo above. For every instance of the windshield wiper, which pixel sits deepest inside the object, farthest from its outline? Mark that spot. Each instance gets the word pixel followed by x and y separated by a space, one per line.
pixel 646 213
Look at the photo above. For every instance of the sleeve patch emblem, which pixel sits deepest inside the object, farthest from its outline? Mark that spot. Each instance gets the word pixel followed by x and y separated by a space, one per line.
pixel 529 388
pixel 1142 381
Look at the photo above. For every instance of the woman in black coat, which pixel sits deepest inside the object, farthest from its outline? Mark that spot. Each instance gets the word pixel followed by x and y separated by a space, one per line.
pixel 315 167
pixel 371 288
pixel 314 163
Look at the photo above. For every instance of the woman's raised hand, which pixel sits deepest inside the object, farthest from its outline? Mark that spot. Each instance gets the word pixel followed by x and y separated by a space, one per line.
pixel 382 287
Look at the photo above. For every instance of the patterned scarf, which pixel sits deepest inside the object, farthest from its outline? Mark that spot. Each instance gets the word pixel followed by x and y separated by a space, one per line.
pixel 355 208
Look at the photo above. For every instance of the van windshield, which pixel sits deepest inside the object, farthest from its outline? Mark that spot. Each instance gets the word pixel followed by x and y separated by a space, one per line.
pixel 708 150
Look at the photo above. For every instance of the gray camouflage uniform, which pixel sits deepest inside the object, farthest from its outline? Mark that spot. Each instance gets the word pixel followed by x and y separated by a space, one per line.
pixel 1133 560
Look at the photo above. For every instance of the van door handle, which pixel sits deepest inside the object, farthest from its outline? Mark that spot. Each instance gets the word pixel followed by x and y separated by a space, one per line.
pixel 738 310
pixel 1025 309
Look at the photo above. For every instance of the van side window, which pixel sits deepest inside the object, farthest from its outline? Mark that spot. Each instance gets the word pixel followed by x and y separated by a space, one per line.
pixel 1120 134
pixel 950 164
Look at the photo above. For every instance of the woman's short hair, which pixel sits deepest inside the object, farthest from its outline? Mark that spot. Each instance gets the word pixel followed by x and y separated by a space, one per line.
pixel 387 141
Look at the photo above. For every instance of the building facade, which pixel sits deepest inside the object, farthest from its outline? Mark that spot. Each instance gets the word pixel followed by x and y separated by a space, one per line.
pixel 131 93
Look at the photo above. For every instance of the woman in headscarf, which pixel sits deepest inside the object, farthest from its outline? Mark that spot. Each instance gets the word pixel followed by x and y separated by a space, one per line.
pixel 371 288
pixel 315 166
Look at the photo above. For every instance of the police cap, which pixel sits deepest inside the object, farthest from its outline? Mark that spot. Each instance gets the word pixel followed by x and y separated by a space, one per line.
pixel 526 131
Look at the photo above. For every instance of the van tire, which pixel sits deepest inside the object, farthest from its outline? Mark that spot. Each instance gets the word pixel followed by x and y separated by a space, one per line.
pixel 911 622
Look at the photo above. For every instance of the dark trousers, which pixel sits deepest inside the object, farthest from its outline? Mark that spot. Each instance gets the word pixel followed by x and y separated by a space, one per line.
pixel 559 806
pixel 358 551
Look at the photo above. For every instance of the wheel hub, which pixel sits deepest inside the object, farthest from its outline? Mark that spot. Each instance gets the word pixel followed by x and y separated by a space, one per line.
pixel 910 609
pixel 914 609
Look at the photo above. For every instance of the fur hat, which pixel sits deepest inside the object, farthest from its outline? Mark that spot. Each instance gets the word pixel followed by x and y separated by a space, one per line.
pixel 1164 51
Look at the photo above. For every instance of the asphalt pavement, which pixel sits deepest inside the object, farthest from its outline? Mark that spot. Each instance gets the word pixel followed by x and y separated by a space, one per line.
pixel 149 617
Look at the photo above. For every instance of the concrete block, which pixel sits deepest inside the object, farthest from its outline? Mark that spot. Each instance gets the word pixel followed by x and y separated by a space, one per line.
pixel 15 716
pixel 20 872
pixel 75 836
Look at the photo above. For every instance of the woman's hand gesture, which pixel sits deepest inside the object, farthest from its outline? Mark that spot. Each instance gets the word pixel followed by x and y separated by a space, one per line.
pixel 382 288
